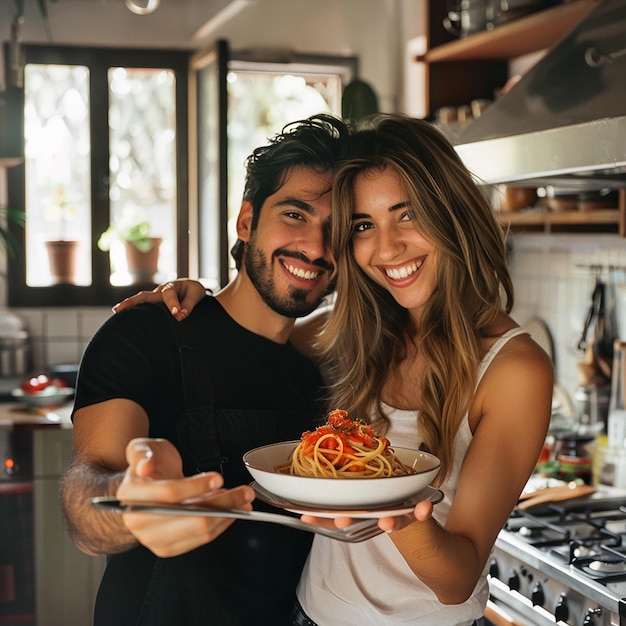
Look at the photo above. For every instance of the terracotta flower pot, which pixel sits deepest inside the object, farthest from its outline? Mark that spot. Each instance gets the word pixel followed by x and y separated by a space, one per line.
pixel 143 266
pixel 62 256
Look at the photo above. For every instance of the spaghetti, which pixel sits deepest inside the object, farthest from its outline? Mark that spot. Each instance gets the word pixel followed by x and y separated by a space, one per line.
pixel 343 448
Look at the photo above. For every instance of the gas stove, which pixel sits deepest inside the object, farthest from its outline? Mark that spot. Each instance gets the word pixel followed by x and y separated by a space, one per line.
pixel 564 563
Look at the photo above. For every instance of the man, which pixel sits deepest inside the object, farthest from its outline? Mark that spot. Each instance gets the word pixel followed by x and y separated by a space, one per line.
pixel 130 440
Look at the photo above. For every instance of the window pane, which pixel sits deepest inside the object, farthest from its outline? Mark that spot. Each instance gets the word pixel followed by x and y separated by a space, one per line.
pixel 57 169
pixel 142 192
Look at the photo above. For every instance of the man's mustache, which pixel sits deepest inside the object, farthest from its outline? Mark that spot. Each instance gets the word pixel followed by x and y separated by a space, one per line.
pixel 323 263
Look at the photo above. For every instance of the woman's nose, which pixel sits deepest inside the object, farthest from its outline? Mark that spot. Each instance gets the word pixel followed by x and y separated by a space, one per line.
pixel 387 244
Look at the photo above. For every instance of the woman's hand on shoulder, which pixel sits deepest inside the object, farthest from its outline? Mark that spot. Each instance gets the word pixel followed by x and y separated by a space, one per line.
pixel 180 296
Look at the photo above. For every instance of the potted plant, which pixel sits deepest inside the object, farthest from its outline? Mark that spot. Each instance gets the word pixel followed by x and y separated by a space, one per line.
pixel 141 247
pixel 62 250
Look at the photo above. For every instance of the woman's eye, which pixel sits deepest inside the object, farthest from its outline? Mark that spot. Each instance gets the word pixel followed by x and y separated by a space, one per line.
pixel 405 217
pixel 361 227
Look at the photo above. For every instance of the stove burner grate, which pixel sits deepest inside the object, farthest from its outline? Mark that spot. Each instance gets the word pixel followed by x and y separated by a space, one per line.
pixel 592 541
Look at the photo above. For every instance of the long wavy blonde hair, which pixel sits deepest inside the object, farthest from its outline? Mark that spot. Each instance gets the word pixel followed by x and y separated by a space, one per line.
pixel 367 333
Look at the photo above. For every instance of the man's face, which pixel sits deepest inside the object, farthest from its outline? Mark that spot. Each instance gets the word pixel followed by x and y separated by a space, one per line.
pixel 287 257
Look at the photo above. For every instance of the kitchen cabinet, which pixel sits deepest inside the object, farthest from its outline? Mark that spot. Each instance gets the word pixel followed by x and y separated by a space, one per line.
pixel 476 66
pixel 459 70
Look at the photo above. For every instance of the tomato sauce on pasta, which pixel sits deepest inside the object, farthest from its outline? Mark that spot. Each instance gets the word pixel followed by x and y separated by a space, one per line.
pixel 344 448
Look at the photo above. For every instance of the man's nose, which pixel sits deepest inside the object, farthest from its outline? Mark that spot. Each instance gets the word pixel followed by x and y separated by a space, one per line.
pixel 316 244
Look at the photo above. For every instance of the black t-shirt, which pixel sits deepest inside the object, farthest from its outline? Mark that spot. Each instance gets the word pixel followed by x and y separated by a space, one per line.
pixel 263 392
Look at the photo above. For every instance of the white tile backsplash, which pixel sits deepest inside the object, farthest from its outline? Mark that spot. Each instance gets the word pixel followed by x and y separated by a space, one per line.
pixel 554 280
pixel 60 335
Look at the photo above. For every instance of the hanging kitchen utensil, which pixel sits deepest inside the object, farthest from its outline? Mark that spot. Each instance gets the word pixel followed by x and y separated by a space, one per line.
pixel 605 333
pixel 592 313
pixel 595 368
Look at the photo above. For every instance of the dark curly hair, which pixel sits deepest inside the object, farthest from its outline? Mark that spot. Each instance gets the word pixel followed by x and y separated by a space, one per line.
pixel 320 142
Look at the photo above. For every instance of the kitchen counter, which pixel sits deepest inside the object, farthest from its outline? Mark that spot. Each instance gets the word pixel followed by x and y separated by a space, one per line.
pixel 16 415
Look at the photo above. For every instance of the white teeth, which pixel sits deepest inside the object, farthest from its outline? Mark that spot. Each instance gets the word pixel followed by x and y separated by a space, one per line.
pixel 402 272
pixel 300 273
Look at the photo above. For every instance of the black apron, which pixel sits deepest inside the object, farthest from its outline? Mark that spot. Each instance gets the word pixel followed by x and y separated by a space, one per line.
pixel 249 574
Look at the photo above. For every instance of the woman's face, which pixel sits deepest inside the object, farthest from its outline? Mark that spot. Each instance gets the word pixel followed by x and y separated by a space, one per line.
pixel 387 246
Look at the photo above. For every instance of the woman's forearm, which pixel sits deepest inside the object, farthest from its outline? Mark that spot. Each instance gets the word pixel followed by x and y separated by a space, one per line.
pixel 448 564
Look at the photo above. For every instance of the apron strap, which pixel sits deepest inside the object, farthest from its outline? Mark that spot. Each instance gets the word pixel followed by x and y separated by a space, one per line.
pixel 196 429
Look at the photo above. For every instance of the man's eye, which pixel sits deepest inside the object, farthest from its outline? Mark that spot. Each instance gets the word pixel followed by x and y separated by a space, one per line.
pixel 294 215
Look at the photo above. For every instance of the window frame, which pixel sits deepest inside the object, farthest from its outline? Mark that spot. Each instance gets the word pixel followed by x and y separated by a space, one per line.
pixel 99 60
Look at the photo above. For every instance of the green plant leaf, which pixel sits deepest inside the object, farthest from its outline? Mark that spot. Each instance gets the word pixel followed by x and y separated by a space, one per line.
pixel 8 241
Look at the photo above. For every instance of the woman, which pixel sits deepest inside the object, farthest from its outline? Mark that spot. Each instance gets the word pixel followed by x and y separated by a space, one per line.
pixel 420 344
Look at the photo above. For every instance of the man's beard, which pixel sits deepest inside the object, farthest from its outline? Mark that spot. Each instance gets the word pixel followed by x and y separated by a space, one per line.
pixel 294 304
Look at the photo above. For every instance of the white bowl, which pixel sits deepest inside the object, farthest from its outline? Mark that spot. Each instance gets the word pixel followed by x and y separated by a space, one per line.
pixel 48 397
pixel 339 492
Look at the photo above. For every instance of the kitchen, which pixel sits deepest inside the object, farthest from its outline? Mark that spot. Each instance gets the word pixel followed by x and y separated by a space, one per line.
pixel 552 270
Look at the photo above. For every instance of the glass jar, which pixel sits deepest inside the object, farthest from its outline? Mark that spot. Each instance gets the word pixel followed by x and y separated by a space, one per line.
pixel 574 453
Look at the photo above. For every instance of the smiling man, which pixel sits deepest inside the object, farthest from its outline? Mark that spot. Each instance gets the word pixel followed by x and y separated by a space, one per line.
pixel 139 435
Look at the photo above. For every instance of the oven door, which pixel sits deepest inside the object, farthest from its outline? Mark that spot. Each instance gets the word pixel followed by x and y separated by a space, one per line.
pixel 495 615
pixel 17 557
pixel 507 607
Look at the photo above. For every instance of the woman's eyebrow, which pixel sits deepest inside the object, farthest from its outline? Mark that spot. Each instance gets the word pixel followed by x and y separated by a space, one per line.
pixel 400 205
pixel 395 207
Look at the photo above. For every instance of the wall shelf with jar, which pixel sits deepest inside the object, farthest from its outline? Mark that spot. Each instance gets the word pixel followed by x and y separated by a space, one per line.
pixel 515 38
pixel 605 220
pixel 475 67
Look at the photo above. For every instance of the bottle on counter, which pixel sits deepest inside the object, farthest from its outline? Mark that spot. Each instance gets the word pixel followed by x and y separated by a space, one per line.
pixel 616 427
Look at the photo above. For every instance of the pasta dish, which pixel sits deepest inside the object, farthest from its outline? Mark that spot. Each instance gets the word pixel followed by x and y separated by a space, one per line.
pixel 344 448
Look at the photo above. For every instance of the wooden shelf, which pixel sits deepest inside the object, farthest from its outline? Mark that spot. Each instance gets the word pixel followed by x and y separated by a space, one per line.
pixel 521 36
pixel 542 218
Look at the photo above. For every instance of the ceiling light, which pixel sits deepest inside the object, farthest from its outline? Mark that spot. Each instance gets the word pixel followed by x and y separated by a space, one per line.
pixel 142 7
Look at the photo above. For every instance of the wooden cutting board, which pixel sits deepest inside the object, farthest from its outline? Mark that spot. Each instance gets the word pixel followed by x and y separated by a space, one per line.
pixel 554 494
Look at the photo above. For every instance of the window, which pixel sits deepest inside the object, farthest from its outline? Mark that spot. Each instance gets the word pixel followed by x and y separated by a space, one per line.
pixel 105 146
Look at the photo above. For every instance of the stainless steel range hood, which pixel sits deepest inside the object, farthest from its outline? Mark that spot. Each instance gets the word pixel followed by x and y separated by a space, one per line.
pixel 564 123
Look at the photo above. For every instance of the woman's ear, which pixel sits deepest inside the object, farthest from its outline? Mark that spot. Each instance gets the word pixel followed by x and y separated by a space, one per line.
pixel 244 221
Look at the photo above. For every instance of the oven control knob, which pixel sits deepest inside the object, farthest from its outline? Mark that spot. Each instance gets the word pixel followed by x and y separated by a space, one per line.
pixel 537 596
pixel 561 611
pixel 494 570
pixel 514 581
pixel 589 621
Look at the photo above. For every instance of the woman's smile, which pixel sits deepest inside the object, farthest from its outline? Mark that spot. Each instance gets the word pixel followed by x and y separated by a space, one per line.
pixel 401 272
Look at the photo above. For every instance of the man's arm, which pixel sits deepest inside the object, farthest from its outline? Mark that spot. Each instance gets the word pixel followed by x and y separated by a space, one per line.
pixel 113 457
pixel 101 433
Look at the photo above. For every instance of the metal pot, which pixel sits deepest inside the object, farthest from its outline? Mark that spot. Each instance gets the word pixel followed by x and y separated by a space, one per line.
pixel 15 349
pixel 592 404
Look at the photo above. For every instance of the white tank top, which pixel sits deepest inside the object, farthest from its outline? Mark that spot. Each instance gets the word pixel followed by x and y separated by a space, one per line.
pixel 344 584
